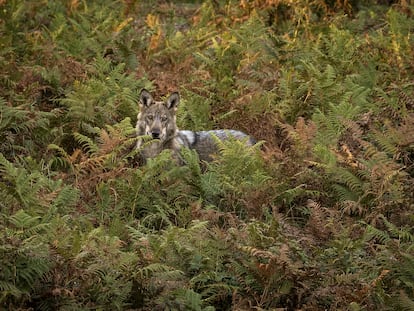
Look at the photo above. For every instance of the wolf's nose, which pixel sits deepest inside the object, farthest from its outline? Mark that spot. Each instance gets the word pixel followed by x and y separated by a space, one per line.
pixel 155 135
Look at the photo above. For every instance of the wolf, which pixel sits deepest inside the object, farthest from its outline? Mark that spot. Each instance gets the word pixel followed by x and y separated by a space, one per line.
pixel 157 120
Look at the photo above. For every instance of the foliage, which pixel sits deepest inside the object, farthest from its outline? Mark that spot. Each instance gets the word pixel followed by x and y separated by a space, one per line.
pixel 25 257
pixel 318 215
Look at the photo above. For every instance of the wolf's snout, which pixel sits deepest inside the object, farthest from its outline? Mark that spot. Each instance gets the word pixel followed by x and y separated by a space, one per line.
pixel 155 134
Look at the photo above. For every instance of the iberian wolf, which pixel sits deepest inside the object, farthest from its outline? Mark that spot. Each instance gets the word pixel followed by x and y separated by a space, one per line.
pixel 157 119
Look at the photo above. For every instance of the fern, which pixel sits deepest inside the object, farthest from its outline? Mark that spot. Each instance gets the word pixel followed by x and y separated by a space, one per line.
pixel 398 242
pixel 108 88
pixel 380 235
pixel 262 276
pixel 190 300
pixel 84 226
pixel 332 124
pixel 214 286
pixel 195 111
pixel 24 221
pixel 62 159
pixel 66 198
pixel 185 256
pixel 12 118
pixel 22 185
pixel 290 195
pixel 107 267
pixel 403 302
pixel 352 181
pixel 366 171
pixel 87 144
pixel 405 273
pixel 348 196
pixel 236 173
pixel 24 256
pixel 404 235
pixel 23 128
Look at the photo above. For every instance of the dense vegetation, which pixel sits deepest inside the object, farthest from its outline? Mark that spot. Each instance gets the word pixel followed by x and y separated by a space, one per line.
pixel 317 216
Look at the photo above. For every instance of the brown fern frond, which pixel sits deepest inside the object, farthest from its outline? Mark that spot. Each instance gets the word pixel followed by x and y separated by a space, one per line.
pixel 305 129
pixel 354 127
pixel 368 288
pixel 302 132
pixel 75 156
pixel 107 143
pixel 319 223
pixel 92 165
pixel 258 253
pixel 298 140
pixel 406 100
pixel 350 143
pixel 405 132
pixel 347 157
pixel 350 207
pixel 214 217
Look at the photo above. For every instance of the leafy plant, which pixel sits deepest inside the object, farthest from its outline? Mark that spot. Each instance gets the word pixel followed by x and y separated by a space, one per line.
pixel 108 89
pixel 24 256
pixel 316 216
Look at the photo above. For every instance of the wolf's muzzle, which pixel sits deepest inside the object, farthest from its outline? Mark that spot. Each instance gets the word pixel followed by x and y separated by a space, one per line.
pixel 155 134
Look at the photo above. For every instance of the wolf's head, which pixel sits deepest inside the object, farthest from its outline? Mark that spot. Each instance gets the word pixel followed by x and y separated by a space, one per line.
pixel 157 118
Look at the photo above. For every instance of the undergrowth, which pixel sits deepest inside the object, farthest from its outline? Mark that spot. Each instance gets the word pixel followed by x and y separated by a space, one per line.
pixel 318 215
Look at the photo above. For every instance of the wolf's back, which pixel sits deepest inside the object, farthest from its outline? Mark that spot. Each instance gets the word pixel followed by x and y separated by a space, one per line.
pixel 205 145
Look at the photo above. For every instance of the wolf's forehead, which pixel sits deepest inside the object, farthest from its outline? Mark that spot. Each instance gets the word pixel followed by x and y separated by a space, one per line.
pixel 158 108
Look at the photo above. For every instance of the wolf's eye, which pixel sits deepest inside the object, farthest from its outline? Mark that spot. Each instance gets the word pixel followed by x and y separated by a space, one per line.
pixel 150 117
pixel 164 118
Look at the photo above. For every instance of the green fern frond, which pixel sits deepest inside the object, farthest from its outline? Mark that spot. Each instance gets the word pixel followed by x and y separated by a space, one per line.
pixel 327 159
pixel 23 125
pixel 387 142
pixel 403 302
pixel 123 128
pixel 217 291
pixel 7 168
pixel 346 194
pixel 9 289
pixel 22 220
pixel 67 197
pixel 24 256
pixel 158 269
pixel 189 299
pixel 107 89
pixel 381 236
pixel 333 123
pixel 62 159
pixel 88 145
pixel 13 118
pixel 21 184
pixel 405 235
pixel 405 271
pixel 349 179
pixel 289 195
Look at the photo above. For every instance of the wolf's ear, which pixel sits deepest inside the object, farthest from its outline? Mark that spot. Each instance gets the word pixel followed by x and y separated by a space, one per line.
pixel 173 100
pixel 145 98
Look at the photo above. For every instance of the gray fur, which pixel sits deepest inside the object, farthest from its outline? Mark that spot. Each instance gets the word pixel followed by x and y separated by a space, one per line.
pixel 206 146
pixel 157 120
